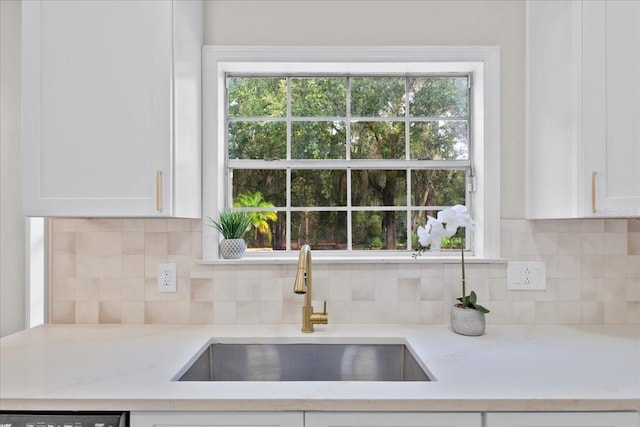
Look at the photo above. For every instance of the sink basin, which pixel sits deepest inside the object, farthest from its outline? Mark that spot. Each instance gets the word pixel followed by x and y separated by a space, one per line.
pixel 305 362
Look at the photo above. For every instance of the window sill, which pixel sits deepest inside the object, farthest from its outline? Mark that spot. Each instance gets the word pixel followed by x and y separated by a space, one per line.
pixel 342 259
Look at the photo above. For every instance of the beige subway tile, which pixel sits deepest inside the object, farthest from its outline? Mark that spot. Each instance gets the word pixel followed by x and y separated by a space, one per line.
pixel 224 312
pixel 569 243
pixel 99 243
pixel 506 244
pixel 63 225
pixel 633 243
pixel 269 289
pixel 110 312
pixel 432 312
pixel 361 311
pixel 592 312
pixel 340 312
pixel 63 265
pixel 291 313
pixel 99 224
pixel 201 290
pixel 500 312
pixel 386 289
pixel 179 243
pixel 615 243
pixel 409 289
pixel 133 243
pixel 633 225
pixel 362 290
pixel 431 289
pixel 546 312
pixel 178 224
pixel 569 312
pixel 386 311
pixel 64 288
pixel 568 266
pixel 87 312
pixel 156 312
pixel 592 290
pixel 133 289
pixel 615 225
pixel 178 312
pixel 184 264
pixel 592 243
pixel 633 312
pixel 155 225
pixel 633 290
pixel 570 289
pixel 270 312
pixel 498 290
pixel 196 244
pixel 133 266
pixel 633 267
pixel 109 289
pixel 132 312
pixel 615 289
pixel 156 243
pixel 86 266
pixel 63 311
pixel 592 225
pixel 151 292
pixel 615 312
pixel 544 226
pixel 523 244
pixel 546 243
pixel 87 289
pixel 202 312
pixel 246 290
pixel 592 266
pixel 226 291
pixel 409 312
pixel 196 224
pixel 615 266
pixel 570 226
pixel 338 291
pixel 248 312
pixel 64 242
pixel 523 311
pixel 132 224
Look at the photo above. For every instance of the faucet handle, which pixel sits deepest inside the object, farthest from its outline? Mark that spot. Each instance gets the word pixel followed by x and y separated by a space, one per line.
pixel 324 309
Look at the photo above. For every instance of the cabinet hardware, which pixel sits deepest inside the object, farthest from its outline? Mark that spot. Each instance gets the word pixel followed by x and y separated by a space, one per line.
pixel 593 191
pixel 159 191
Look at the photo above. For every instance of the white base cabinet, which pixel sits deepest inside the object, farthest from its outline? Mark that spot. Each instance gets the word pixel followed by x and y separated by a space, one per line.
pixel 306 419
pixel 111 108
pixel 384 419
pixel 562 419
pixel 217 419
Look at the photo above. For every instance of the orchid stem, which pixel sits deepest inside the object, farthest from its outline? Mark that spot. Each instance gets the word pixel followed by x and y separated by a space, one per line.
pixel 464 291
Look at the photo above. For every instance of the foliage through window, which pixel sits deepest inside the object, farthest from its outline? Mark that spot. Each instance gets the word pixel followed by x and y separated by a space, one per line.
pixel 346 162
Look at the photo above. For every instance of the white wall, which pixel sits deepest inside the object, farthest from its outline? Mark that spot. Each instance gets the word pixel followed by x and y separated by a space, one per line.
pixel 396 22
pixel 12 223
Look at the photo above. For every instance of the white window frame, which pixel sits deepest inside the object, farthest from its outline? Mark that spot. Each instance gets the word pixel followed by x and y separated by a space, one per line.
pixel 483 62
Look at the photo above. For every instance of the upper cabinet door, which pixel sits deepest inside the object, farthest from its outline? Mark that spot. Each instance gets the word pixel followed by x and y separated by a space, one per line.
pixel 100 135
pixel 611 105
pixel 583 109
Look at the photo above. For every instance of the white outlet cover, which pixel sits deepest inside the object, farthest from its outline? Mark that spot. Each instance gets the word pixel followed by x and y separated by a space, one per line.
pixel 516 277
pixel 167 277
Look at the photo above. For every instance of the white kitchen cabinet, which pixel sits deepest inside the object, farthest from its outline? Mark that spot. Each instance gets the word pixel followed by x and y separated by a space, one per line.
pixel 305 419
pixel 583 109
pixel 217 419
pixel 111 108
pixel 562 419
pixel 392 419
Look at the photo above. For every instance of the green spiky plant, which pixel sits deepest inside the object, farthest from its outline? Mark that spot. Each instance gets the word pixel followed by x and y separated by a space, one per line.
pixel 232 224
pixel 469 301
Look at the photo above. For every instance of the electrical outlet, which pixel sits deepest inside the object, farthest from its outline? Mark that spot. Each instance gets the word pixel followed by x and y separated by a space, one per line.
pixel 167 277
pixel 526 276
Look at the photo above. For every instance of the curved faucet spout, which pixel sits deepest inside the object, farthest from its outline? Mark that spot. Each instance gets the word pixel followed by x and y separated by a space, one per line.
pixel 303 285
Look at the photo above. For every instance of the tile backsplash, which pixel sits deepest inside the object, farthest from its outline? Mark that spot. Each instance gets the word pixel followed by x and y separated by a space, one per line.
pixel 104 271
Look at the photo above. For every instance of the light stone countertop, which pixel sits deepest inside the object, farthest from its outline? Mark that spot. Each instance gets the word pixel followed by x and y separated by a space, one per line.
pixel 510 368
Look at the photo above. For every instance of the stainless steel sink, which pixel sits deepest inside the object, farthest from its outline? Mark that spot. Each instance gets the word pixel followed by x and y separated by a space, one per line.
pixel 305 362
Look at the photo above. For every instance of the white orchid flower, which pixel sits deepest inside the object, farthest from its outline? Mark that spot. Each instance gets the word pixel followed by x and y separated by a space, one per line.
pixel 454 217
pixel 432 234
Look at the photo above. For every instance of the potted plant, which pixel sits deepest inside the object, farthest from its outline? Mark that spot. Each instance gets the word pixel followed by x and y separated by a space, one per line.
pixel 467 317
pixel 232 225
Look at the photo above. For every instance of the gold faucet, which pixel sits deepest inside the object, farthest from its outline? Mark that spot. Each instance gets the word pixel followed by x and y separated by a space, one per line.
pixel 302 285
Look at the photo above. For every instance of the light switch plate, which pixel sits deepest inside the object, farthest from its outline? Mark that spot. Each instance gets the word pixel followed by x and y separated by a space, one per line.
pixel 526 276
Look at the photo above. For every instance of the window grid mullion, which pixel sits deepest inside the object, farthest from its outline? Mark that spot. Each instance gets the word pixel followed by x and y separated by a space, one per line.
pixel 348 157
pixel 288 190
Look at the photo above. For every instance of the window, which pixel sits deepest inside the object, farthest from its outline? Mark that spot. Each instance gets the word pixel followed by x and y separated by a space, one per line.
pixel 349 155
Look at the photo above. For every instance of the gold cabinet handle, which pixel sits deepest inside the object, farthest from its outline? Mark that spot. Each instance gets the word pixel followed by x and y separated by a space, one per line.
pixel 159 191
pixel 593 191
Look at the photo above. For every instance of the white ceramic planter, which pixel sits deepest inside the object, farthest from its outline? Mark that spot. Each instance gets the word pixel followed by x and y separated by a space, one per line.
pixel 467 321
pixel 232 248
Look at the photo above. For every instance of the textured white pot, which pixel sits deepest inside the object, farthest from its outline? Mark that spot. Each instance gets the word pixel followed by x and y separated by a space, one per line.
pixel 467 321
pixel 232 248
